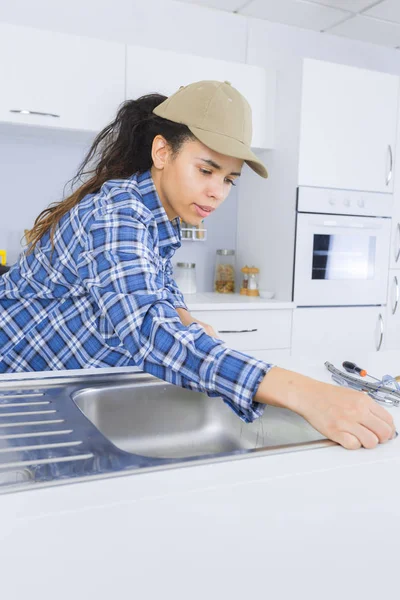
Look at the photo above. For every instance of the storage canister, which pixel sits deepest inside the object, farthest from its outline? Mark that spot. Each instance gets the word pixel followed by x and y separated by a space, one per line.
pixel 245 280
pixel 185 277
pixel 224 279
pixel 252 284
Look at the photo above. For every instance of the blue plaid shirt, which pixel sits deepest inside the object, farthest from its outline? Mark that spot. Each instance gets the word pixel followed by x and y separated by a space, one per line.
pixel 106 297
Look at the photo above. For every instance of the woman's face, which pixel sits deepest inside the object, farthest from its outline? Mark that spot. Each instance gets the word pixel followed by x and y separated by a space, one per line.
pixel 194 182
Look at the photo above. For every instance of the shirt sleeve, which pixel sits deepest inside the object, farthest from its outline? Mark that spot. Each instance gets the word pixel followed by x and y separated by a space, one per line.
pixel 120 269
pixel 177 298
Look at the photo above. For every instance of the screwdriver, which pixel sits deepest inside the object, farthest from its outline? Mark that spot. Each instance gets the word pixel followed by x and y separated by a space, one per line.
pixel 353 368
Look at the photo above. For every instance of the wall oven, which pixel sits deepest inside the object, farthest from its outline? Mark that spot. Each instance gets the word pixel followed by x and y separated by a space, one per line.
pixel 342 247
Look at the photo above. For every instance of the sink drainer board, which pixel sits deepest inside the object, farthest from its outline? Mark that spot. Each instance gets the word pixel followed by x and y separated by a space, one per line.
pixel 73 428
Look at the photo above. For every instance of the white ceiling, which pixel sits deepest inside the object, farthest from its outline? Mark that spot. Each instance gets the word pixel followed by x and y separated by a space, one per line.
pixel 374 21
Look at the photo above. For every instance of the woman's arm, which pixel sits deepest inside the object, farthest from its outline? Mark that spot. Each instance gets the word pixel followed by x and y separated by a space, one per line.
pixel 179 302
pixel 121 274
pixel 346 416
pixel 187 320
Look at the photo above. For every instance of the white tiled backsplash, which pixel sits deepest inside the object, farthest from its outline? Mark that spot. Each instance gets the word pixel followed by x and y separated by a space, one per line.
pixel 10 241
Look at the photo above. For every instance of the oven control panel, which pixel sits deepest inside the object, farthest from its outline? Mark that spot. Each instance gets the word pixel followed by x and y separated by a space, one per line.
pixel 344 202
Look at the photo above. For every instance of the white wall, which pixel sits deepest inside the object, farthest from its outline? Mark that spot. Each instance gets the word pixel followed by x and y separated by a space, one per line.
pixel 34 172
pixel 35 165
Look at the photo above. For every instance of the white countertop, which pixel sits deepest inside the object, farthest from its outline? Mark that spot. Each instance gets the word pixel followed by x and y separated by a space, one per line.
pixel 312 524
pixel 214 301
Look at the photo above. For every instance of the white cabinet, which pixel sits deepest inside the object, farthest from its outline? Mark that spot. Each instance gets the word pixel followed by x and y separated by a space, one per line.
pixel 150 70
pixel 264 334
pixel 395 235
pixel 65 81
pixel 392 338
pixel 274 355
pixel 348 127
pixel 326 332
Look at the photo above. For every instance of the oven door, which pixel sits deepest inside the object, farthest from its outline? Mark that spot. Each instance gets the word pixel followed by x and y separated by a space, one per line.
pixel 341 260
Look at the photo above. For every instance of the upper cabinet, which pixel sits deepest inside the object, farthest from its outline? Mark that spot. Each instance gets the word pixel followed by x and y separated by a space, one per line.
pixel 150 70
pixel 59 80
pixel 348 127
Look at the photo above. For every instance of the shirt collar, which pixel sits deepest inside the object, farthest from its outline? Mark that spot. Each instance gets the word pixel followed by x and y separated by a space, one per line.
pixel 169 232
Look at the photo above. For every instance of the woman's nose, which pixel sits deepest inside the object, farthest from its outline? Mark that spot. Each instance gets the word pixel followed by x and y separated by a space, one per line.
pixel 216 190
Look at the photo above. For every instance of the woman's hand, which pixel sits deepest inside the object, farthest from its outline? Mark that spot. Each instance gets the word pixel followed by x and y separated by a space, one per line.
pixel 350 418
pixel 187 320
pixel 207 328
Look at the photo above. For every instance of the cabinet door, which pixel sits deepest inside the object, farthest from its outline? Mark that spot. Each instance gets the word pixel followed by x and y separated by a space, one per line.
pixel 250 329
pixel 392 341
pixel 63 80
pixel 344 332
pixel 348 127
pixel 274 355
pixel 166 71
pixel 395 235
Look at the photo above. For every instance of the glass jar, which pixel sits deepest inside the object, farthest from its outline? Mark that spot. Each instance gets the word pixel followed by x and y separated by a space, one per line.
pixel 245 280
pixel 252 285
pixel 185 277
pixel 224 278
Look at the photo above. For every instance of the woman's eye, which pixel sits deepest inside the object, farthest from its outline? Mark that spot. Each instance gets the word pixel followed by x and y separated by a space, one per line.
pixel 205 172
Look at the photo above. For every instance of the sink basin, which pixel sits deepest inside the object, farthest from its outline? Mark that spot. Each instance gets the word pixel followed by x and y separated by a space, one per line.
pixel 159 420
pixel 76 427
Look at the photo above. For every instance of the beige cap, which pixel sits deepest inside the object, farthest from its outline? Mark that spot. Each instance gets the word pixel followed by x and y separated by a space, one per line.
pixel 218 115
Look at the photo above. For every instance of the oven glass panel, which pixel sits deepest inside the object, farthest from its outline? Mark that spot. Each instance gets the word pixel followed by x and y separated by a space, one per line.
pixel 344 256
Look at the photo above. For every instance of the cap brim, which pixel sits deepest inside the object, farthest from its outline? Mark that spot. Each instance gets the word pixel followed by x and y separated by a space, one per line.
pixel 230 147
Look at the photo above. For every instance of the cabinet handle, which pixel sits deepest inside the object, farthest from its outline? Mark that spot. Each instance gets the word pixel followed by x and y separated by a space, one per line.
pixel 397 252
pixel 389 175
pixel 380 320
pixel 396 283
pixel 237 330
pixel 34 112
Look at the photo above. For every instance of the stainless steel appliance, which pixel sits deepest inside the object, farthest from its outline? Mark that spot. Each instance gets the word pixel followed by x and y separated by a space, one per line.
pixel 342 247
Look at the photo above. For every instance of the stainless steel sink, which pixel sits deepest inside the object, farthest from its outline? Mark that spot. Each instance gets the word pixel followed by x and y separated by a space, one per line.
pixel 64 427
pixel 155 419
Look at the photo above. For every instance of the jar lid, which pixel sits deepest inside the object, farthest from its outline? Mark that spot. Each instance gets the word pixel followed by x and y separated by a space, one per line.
pixel 253 270
pixel 186 265
pixel 226 252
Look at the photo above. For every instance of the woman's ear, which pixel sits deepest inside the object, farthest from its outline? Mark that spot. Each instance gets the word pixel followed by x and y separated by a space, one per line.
pixel 160 151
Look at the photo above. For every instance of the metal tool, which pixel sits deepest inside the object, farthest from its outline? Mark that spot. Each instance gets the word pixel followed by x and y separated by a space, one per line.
pixel 381 392
pixel 351 367
pixel 386 379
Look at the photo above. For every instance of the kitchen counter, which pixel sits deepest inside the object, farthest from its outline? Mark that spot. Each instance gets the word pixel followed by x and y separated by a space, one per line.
pixel 313 524
pixel 214 301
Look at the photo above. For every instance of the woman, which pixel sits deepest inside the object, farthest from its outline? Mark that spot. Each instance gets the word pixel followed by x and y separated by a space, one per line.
pixel 95 287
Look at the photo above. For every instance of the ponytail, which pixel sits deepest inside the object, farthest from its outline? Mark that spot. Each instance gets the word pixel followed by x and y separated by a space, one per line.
pixel 120 150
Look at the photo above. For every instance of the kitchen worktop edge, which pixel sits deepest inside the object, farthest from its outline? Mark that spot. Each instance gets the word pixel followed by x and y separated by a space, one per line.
pixel 214 301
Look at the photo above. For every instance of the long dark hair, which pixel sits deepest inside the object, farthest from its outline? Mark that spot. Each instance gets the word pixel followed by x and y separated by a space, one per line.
pixel 120 150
